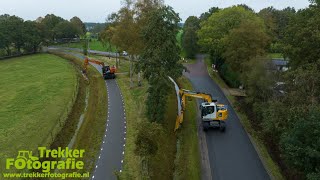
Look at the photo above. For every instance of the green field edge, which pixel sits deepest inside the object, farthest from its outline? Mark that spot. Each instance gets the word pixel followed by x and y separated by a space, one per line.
pixel 64 117
pixel 270 165
pixel 91 132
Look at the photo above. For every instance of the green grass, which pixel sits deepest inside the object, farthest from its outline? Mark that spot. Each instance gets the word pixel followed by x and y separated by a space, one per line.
pixel 93 45
pixel 135 112
pixel 179 39
pixel 123 67
pixel 275 55
pixel 271 166
pixel 91 133
pixel 188 61
pixel 187 163
pixel 37 93
pixel 161 166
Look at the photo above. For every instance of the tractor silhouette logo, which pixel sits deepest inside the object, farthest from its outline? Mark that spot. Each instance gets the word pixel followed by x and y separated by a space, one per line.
pixel 27 155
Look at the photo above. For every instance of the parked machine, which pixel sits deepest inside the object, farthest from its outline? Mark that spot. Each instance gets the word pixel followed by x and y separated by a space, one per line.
pixel 107 71
pixel 213 115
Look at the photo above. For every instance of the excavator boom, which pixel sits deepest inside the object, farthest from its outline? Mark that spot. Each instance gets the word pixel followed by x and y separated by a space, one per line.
pixel 219 111
pixel 107 71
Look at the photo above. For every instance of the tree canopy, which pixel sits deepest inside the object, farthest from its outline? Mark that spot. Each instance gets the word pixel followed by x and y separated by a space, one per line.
pixel 160 58
pixel 190 38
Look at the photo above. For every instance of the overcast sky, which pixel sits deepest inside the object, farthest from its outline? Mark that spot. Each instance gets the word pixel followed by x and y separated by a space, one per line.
pixel 98 10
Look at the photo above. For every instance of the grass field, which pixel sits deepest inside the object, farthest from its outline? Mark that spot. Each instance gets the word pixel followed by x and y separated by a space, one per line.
pixel 93 45
pixel 36 94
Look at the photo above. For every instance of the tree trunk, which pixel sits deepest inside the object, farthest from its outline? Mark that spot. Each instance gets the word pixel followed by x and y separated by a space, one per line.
pixel 8 51
pixel 139 79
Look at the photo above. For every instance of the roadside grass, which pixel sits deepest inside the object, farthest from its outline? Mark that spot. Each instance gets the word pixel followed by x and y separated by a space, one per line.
pixel 94 44
pixel 275 55
pixel 187 163
pixel 188 61
pixel 37 93
pixel 168 163
pixel 91 132
pixel 215 76
pixel 161 166
pixel 135 113
pixel 271 166
pixel 123 67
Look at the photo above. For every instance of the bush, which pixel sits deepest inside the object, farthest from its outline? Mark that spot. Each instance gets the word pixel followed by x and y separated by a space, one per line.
pixel 232 78
pixel 301 145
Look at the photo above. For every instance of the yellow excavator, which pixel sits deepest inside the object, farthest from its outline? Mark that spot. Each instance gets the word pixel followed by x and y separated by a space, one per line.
pixel 213 115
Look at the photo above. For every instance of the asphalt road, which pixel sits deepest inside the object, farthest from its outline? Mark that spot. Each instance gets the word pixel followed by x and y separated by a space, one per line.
pixel 231 154
pixel 101 53
pixel 111 155
pixel 112 150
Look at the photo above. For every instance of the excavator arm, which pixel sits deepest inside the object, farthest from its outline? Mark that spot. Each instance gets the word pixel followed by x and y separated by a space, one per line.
pixel 107 71
pixel 206 97
pixel 86 63
pixel 187 93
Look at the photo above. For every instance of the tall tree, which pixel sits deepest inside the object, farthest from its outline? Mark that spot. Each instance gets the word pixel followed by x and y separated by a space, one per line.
pixel 248 41
pixel 206 15
pixel 219 24
pixel 160 58
pixel 79 24
pixel 303 37
pixel 33 38
pixel 233 36
pixel 49 22
pixel 125 27
pixel 12 31
pixel 66 29
pixel 190 38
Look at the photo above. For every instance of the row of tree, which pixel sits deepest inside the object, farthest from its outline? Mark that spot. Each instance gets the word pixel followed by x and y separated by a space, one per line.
pixel 17 35
pixel 238 41
pixel 147 30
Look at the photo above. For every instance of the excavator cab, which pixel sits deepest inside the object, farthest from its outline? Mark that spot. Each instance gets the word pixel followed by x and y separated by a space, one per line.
pixel 213 116
pixel 108 72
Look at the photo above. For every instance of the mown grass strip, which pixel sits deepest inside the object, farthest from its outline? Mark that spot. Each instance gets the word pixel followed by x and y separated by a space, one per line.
pixel 170 162
pixel 135 112
pixel 91 133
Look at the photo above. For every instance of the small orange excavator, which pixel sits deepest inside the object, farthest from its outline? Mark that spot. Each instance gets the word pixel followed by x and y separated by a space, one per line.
pixel 107 71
